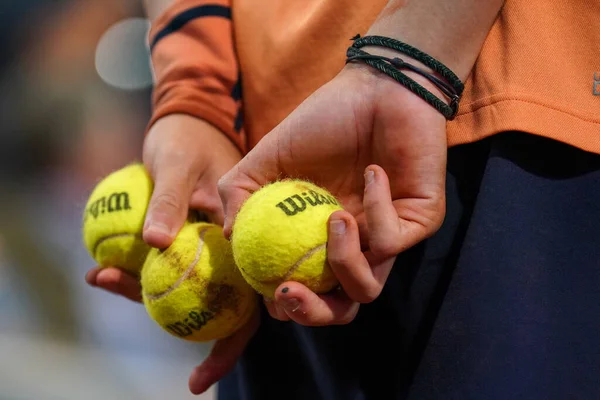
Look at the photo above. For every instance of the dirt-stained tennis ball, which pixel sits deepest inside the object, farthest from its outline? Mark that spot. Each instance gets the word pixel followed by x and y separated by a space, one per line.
pixel 193 289
pixel 114 218
pixel 280 234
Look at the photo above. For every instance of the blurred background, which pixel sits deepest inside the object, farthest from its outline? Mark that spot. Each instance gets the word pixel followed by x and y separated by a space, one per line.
pixel 75 87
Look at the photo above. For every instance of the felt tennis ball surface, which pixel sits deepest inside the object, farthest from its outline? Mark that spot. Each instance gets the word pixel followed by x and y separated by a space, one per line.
pixel 280 234
pixel 193 289
pixel 114 217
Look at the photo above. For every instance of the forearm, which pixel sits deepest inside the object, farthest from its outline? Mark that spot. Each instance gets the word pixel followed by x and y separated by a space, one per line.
pixel 452 31
pixel 195 66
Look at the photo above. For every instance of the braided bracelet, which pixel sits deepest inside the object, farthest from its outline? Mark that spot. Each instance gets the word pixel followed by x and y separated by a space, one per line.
pixel 391 67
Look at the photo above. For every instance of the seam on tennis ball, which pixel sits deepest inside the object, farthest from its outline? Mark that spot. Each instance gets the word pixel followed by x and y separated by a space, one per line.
pixel 187 272
pixel 292 269
pixel 118 235
pixel 305 257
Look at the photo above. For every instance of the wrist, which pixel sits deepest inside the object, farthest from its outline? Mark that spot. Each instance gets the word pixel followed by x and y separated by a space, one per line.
pixel 383 87
pixel 410 68
pixel 415 76
pixel 195 131
pixel 445 55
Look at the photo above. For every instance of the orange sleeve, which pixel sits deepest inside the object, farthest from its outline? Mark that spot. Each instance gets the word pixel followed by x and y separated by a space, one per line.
pixel 195 66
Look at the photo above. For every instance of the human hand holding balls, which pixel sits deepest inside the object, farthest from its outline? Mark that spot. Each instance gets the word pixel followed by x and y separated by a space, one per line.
pixel 381 151
pixel 280 234
pixel 185 156
pixel 184 170
pixel 376 146
pixel 193 289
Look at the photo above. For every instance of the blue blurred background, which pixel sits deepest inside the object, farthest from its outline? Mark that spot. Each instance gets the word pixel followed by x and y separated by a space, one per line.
pixel 75 87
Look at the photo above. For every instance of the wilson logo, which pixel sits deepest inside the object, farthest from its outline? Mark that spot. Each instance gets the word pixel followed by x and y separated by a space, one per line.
pixel 195 322
pixel 298 203
pixel 108 204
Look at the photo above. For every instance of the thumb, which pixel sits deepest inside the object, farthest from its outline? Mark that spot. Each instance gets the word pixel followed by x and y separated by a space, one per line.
pixel 233 194
pixel 259 167
pixel 168 208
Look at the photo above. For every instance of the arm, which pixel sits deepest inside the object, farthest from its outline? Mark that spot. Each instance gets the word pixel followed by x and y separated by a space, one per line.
pixel 191 142
pixel 450 31
pixel 195 65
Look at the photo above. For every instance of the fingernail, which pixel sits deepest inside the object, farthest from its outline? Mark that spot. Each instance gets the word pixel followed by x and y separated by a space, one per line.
pixel 338 226
pixel 291 305
pixel 158 227
pixel 369 177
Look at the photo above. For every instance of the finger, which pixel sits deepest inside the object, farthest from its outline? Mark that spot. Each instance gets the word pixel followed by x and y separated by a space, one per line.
pixel 168 207
pixel 395 227
pixel 381 215
pixel 90 276
pixel 271 309
pixel 275 310
pixel 255 170
pixel 116 281
pixel 348 262
pixel 223 357
pixel 307 308
pixel 206 198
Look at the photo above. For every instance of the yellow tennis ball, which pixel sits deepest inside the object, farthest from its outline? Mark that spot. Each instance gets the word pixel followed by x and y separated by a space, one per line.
pixel 193 289
pixel 280 234
pixel 114 218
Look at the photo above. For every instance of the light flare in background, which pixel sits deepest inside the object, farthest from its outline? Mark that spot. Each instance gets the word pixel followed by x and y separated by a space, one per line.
pixel 123 57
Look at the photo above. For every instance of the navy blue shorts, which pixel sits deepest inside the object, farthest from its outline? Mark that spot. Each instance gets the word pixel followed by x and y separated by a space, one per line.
pixel 502 303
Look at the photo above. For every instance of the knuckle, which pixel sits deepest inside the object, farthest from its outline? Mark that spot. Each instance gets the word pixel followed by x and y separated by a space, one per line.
pixel 438 221
pixel 371 204
pixel 368 294
pixel 437 217
pixel 167 200
pixel 384 248
pixel 223 184
pixel 336 258
pixel 347 317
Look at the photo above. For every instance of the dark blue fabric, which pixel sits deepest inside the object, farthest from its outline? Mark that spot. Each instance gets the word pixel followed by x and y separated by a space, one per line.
pixel 238 123
pixel 209 10
pixel 236 92
pixel 502 303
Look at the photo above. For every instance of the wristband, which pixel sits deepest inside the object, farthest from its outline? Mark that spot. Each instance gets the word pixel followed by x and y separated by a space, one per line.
pixel 391 66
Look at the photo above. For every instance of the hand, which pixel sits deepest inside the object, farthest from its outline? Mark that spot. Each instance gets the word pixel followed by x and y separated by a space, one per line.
pixel 185 157
pixel 381 150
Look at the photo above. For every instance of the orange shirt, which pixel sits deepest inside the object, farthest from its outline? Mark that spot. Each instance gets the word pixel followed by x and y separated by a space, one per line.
pixel 245 67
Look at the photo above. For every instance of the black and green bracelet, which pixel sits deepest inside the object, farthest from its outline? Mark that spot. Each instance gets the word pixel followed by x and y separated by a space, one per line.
pixel 392 66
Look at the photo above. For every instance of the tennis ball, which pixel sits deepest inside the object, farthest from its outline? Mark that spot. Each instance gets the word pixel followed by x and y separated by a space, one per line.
pixel 193 289
pixel 114 217
pixel 280 234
